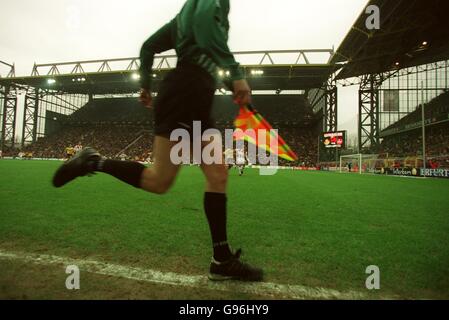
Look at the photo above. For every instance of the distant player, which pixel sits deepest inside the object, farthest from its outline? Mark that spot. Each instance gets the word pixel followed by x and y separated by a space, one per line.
pixel 78 148
pixel 69 152
pixel 1 154
pixel 150 158
pixel 240 160
pixel 123 157
pixel 229 158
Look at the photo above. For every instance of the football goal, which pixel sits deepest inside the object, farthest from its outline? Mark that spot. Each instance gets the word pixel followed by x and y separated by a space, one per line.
pixel 359 163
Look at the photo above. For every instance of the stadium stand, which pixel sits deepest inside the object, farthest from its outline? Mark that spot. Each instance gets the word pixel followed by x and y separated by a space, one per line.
pixel 109 139
pixel 117 126
pixel 435 111
pixel 121 125
pixel 404 138
pixel 111 110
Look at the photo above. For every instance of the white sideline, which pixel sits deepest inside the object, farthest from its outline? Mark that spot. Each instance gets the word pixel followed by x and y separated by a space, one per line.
pixel 293 292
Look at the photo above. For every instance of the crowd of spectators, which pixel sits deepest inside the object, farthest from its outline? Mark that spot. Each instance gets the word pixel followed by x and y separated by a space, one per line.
pixel 109 140
pixel 407 141
pixel 122 128
pixel 303 141
pixel 136 143
pixel 410 143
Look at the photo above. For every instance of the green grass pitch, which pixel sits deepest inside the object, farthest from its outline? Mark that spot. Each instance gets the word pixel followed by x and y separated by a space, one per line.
pixel 310 228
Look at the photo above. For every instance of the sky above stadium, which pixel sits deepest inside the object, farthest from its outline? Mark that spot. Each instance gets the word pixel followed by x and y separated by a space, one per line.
pixel 72 30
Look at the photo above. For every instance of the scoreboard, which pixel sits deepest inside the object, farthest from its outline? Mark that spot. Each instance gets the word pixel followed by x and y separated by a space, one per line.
pixel 334 140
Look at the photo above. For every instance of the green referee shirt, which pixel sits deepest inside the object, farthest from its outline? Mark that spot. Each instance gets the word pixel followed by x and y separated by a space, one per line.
pixel 199 34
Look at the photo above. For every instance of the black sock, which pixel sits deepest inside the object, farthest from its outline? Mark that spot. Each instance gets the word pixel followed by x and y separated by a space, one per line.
pixel 126 171
pixel 215 207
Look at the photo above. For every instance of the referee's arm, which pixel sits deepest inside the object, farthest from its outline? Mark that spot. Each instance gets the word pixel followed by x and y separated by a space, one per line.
pixel 159 42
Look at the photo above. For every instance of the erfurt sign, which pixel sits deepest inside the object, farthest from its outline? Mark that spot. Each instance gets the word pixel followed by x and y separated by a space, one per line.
pixel 412 172
pixel 435 173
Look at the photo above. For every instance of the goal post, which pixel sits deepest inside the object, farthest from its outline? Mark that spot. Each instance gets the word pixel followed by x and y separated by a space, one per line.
pixel 359 163
pixel 346 160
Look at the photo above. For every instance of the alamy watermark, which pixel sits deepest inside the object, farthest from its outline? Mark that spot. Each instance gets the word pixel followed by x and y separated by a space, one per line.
pixel 373 20
pixel 206 147
pixel 73 280
pixel 373 280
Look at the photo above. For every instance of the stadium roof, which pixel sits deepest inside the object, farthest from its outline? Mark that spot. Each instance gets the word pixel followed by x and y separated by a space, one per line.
pixel 412 32
pixel 6 68
pixel 283 70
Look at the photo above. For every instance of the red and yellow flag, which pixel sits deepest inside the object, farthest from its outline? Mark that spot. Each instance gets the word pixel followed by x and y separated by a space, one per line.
pixel 251 119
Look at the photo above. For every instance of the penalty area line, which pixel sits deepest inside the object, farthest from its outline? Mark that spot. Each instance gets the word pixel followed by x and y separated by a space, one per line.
pixel 274 290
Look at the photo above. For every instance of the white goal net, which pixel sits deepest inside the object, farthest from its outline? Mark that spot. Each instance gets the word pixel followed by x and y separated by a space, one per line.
pixel 359 163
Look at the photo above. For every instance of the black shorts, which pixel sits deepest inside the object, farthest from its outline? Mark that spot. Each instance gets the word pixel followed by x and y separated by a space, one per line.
pixel 185 95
